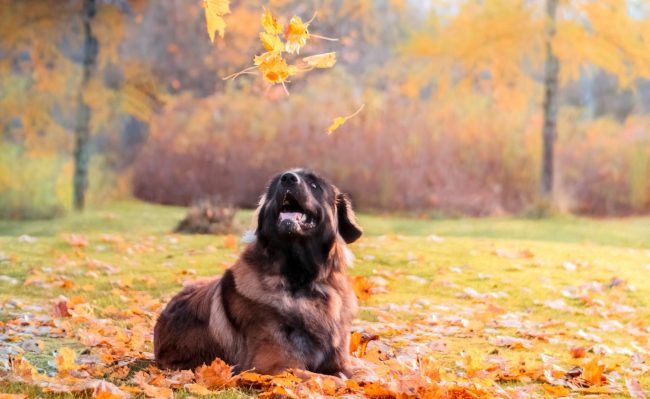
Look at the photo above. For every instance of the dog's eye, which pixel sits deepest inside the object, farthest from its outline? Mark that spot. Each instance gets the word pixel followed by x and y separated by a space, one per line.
pixel 314 185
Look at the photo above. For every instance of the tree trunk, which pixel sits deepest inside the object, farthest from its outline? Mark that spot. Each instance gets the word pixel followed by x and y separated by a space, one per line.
pixel 82 129
pixel 549 133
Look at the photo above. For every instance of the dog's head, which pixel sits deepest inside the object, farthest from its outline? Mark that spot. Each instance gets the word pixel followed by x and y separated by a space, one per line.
pixel 300 205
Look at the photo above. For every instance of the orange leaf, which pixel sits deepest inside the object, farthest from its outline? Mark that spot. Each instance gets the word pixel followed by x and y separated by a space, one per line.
pixel 362 287
pixel 274 68
pixel 296 35
pixel 216 375
pixel 13 396
pixel 230 241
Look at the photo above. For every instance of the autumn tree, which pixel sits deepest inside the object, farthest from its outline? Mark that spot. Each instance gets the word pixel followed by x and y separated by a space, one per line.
pixel 511 43
pixel 63 76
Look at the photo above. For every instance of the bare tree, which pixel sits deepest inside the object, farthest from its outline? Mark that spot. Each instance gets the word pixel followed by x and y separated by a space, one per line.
pixel 82 129
pixel 549 132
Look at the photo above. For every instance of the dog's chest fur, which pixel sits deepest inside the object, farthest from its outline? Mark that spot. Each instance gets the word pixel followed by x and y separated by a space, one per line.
pixel 311 318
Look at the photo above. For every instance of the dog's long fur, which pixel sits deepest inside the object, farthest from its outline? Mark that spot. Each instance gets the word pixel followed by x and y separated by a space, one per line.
pixel 287 301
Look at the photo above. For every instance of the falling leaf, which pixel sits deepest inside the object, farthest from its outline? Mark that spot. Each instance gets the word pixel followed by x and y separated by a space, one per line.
pixel 214 12
pixel 338 121
pixel 270 24
pixel 215 375
pixel 296 35
pixel 274 68
pixel 271 42
pixel 325 60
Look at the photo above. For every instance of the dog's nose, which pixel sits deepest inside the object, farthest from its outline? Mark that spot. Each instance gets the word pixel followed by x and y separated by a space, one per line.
pixel 289 179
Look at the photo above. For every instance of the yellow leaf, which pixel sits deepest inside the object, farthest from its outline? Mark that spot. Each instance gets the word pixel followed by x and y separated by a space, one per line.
pixel 296 35
pixel 340 120
pixel 65 360
pixel 198 389
pixel 270 24
pixel 271 42
pixel 325 60
pixel 274 68
pixel 336 123
pixel 214 12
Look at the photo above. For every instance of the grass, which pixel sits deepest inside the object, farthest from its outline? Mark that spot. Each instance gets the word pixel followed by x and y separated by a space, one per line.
pixel 523 260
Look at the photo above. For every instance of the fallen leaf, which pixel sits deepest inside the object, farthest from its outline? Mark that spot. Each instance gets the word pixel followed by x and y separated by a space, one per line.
pixel 217 375
pixel 65 360
pixel 634 389
pixel 198 389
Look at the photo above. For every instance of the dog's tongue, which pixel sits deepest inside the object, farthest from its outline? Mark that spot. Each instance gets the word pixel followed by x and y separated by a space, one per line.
pixel 296 216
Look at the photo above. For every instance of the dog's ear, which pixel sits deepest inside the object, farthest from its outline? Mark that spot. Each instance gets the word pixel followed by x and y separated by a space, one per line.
pixel 348 227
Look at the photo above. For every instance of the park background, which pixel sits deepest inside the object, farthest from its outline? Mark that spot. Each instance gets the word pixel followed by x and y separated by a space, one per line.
pixel 457 95
pixel 497 153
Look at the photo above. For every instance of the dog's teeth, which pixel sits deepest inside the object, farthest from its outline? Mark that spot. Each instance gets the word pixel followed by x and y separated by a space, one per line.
pixel 303 218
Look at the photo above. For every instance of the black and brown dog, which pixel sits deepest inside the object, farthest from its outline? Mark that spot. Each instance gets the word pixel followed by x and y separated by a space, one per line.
pixel 286 303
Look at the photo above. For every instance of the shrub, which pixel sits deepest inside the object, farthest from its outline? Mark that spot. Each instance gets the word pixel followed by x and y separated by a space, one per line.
pixel 28 184
pixel 209 216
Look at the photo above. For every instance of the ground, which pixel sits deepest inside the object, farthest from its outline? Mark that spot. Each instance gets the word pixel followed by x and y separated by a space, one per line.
pixel 491 307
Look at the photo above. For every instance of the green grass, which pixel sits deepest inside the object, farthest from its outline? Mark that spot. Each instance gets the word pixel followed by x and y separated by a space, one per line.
pixel 134 217
pixel 471 256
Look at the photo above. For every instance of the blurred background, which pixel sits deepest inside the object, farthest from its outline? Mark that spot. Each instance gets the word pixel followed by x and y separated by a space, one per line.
pixel 108 100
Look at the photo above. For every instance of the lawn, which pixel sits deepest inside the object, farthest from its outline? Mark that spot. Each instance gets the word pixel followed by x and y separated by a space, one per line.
pixel 486 307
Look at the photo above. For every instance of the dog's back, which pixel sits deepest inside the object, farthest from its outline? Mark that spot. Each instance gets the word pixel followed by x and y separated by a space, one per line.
pixel 182 339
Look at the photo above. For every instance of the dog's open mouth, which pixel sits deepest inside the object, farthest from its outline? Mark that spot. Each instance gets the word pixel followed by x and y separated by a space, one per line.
pixel 291 210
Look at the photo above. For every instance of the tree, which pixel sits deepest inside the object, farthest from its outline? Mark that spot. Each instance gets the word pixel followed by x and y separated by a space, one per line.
pixel 502 40
pixel 82 130
pixel 551 74
pixel 64 81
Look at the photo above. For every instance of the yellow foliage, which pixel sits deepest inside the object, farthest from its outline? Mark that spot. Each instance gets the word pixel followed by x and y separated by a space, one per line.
pixel 340 120
pixel 65 360
pixel 270 24
pixel 271 42
pixel 274 68
pixel 296 35
pixel 325 60
pixel 214 12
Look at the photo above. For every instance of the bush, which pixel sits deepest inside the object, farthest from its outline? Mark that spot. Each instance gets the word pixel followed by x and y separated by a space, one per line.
pixel 28 184
pixel 209 216
pixel 459 154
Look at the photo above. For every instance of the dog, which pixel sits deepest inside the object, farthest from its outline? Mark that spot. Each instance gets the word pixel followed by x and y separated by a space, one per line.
pixel 286 302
